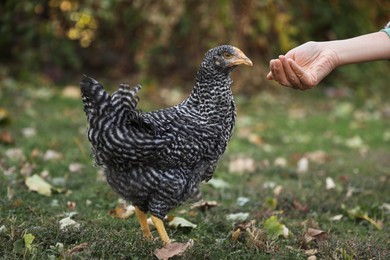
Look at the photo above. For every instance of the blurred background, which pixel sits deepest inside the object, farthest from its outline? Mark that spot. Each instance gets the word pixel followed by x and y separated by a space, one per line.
pixel 162 42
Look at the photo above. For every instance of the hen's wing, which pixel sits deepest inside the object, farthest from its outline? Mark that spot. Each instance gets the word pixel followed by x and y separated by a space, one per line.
pixel 121 134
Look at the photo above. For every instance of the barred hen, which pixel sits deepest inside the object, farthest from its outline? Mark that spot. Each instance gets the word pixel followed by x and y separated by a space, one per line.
pixel 156 160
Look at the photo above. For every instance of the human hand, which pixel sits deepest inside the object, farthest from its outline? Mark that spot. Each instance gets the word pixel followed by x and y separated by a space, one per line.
pixel 304 66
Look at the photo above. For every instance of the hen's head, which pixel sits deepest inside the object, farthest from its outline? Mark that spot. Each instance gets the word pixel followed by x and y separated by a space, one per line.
pixel 224 58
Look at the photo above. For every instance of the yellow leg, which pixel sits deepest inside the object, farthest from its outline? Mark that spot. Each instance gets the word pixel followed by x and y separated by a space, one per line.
pixel 143 222
pixel 161 230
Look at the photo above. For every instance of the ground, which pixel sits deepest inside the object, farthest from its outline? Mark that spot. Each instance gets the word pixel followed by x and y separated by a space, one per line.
pixel 309 171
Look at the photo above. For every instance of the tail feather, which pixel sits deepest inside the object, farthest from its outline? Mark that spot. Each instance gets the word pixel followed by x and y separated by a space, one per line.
pixel 125 98
pixel 96 100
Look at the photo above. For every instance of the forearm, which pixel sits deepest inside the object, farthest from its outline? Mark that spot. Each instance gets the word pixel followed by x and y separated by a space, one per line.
pixel 368 47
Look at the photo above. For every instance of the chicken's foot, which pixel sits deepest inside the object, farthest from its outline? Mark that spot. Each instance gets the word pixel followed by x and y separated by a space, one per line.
pixel 141 216
pixel 161 230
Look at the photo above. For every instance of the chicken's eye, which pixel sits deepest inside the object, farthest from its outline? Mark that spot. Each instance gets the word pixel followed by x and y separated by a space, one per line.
pixel 227 55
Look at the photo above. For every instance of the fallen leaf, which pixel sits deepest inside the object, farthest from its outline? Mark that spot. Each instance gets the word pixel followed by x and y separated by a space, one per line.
pixel 274 228
pixel 204 205
pixel 68 222
pixel 71 204
pixel 355 142
pixel 6 137
pixel 343 109
pixel 310 223
pixel 5 117
pixel 311 252
pixel 386 208
pixel 75 167
pixel 15 154
pixel 303 165
pixel 122 211
pixel 241 216
pixel 27 169
pixel 77 248
pixel 29 132
pixel 319 157
pixel 59 247
pixel 297 113
pixel 386 136
pixel 244 225
pixel 256 238
pixel 178 222
pixel 269 184
pixel 218 183
pixel 358 213
pixel 241 201
pixel 277 190
pixel 330 183
pixel 280 162
pixel 314 235
pixel 71 92
pixel 236 235
pixel 173 249
pixel 242 164
pixel 3 229
pixel 51 155
pixel 39 185
pixel 337 217
pixel 28 239
pixel 300 207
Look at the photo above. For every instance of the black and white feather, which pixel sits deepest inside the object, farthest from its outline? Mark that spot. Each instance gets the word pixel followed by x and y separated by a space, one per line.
pixel 156 160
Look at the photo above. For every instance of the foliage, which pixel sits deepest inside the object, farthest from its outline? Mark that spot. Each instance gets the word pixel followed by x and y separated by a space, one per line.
pixel 61 38
pixel 282 208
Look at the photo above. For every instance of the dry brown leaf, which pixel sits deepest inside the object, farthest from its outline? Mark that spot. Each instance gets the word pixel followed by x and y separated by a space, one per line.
pixel 314 235
pixel 244 225
pixel 51 155
pixel 72 92
pixel 6 137
pixel 236 235
pixel 203 205
pixel 173 249
pixel 300 207
pixel 319 156
pixel 77 248
pixel 16 154
pixel 311 252
pixel 71 204
pixel 75 167
pixel 122 211
pixel 242 164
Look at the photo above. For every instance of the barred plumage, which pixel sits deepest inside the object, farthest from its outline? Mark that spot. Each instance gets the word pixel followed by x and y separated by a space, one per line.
pixel 157 160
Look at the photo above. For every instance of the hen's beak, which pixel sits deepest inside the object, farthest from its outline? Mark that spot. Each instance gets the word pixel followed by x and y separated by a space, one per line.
pixel 239 58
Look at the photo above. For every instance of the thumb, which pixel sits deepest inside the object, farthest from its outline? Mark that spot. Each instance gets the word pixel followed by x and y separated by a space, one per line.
pixel 269 76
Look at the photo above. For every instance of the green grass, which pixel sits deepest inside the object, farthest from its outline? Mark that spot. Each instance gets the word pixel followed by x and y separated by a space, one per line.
pixel 353 133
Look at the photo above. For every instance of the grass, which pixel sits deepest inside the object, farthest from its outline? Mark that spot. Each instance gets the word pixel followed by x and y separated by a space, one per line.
pixel 352 134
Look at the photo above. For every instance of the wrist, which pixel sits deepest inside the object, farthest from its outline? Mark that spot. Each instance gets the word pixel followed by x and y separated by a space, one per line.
pixel 369 47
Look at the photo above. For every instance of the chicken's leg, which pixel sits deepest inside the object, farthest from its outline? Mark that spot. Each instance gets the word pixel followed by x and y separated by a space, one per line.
pixel 161 230
pixel 141 216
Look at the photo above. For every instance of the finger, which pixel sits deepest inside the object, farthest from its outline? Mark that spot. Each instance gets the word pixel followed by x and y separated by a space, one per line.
pixel 306 81
pixel 291 76
pixel 278 73
pixel 269 76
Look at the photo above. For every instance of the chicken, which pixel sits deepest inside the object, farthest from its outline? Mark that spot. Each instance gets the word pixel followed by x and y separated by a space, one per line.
pixel 156 160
